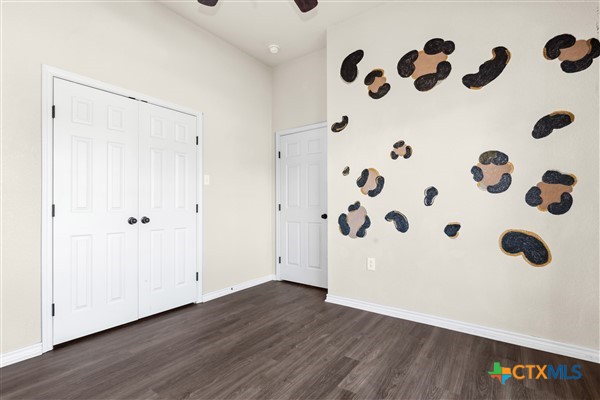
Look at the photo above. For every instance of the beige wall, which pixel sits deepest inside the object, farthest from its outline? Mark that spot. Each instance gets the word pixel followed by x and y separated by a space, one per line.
pixel 300 91
pixel 468 279
pixel 148 49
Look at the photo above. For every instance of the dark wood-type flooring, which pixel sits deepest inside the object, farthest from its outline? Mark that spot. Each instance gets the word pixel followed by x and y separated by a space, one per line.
pixel 282 341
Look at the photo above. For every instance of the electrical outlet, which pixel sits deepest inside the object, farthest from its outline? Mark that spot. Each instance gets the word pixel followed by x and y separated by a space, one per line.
pixel 207 180
pixel 370 264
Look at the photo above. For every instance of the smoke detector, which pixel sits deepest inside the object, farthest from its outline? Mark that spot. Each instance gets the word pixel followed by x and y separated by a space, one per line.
pixel 273 48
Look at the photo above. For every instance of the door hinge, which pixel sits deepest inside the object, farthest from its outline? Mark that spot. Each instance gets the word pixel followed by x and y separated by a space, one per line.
pixel 53 210
pixel 197 276
pixel 279 206
pixel 197 141
pixel 196 208
pixel 278 154
pixel 53 309
pixel 279 260
pixel 53 111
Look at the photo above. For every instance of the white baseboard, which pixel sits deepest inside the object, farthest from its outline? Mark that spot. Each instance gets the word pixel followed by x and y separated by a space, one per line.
pixel 36 349
pixel 550 346
pixel 18 355
pixel 236 288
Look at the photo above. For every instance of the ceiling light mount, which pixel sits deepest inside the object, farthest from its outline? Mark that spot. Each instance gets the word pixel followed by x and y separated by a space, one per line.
pixel 273 48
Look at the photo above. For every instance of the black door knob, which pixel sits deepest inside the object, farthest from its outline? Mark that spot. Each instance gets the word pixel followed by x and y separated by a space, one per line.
pixel 145 220
pixel 324 216
pixel 132 221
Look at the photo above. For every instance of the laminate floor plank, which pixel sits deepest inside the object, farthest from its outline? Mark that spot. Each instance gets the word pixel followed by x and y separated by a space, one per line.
pixel 282 341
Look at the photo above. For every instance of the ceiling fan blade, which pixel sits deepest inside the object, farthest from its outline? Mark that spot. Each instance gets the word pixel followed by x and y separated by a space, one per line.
pixel 208 3
pixel 305 5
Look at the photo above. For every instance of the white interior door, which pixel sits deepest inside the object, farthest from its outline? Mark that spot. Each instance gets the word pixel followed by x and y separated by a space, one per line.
pixel 167 209
pixel 95 194
pixel 303 197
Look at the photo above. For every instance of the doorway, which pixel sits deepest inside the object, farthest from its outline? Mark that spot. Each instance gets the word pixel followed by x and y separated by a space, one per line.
pixel 301 191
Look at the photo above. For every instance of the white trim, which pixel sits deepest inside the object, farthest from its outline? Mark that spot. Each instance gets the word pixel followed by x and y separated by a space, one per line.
pixel 519 339
pixel 107 87
pixel 200 202
pixel 19 355
pixel 278 136
pixel 304 128
pixel 277 202
pixel 47 201
pixel 48 75
pixel 236 288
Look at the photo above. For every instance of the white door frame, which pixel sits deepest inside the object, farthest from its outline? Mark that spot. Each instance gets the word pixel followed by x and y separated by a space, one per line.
pixel 48 75
pixel 278 136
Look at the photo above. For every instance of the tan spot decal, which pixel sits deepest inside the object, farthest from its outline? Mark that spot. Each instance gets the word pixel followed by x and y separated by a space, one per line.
pixel 493 172
pixel 355 223
pixel 401 149
pixel 429 66
pixel 553 193
pixel 377 84
pixel 370 182
pixel 575 55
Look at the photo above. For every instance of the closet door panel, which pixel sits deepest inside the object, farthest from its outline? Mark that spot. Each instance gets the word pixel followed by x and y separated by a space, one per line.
pixel 168 202
pixel 95 265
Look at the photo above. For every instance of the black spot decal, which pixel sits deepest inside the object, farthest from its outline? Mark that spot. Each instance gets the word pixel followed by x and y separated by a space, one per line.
pixel 561 207
pixel 451 230
pixel 428 82
pixel 575 55
pixel 493 172
pixel 556 178
pixel 406 65
pixel 429 66
pixel 436 46
pixel 533 197
pixel 554 45
pixel 400 221
pixel 400 149
pixel 534 250
pixel 349 69
pixel 340 126
pixel 355 223
pixel 370 182
pixel 553 193
pixel 502 185
pixel 477 173
pixel 346 171
pixel 306 5
pixel 493 157
pixel 376 82
pixel 489 70
pixel 548 123
pixel 208 3
pixel 362 179
pixel 354 207
pixel 430 194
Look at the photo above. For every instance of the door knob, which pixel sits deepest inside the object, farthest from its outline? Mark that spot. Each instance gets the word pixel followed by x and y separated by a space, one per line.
pixel 324 216
pixel 145 220
pixel 132 221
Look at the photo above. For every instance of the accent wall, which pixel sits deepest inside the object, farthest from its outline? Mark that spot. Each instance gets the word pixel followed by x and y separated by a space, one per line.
pixel 463 157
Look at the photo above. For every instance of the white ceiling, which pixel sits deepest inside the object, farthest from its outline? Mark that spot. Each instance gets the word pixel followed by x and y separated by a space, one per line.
pixel 252 25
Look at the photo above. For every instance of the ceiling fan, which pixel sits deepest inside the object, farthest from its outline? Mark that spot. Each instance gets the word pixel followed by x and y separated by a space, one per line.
pixel 303 5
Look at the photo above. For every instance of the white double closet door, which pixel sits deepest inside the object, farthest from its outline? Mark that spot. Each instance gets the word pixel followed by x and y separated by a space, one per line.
pixel 125 230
